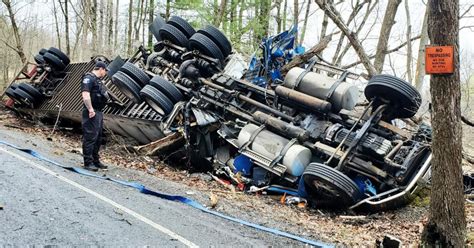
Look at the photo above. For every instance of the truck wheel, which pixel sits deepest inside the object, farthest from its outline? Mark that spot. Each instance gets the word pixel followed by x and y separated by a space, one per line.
pixel 54 61
pixel 42 51
pixel 218 38
pixel 32 91
pixel 171 33
pixel 62 56
pixel 24 97
pixel 404 100
pixel 135 73
pixel 39 59
pixel 182 25
pixel 157 100
pixel 330 187
pixel 167 88
pixel 206 46
pixel 127 86
pixel 155 27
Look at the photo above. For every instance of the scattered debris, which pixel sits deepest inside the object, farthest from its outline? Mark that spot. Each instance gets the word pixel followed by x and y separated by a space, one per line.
pixel 213 199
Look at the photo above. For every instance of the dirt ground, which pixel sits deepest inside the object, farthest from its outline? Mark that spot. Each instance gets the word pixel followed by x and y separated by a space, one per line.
pixel 341 228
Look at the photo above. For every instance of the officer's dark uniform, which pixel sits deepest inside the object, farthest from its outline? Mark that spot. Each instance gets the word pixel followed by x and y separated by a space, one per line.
pixel 92 127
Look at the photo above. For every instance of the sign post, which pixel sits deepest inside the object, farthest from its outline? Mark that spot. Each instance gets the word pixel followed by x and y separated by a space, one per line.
pixel 439 60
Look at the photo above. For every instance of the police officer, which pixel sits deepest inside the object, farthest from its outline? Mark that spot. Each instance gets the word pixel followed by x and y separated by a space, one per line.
pixel 95 98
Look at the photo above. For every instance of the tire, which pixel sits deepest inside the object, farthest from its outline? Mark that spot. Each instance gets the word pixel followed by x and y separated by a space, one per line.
pixel 404 100
pixel 167 88
pixel 330 187
pixel 115 66
pixel 135 73
pixel 42 51
pixel 32 91
pixel 39 59
pixel 171 33
pixel 24 97
pixel 127 86
pixel 182 25
pixel 206 46
pixel 11 93
pixel 62 56
pixel 156 100
pixel 218 38
pixel 54 61
pixel 155 27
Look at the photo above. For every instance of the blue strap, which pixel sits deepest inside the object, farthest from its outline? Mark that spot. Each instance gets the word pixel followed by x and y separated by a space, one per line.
pixel 182 199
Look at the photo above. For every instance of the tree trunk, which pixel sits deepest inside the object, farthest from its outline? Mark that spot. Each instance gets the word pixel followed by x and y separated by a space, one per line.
pixel 305 23
pixel 94 26
pixel 285 15
pixel 295 17
pixel 110 24
pixel 138 20
pixel 447 220
pixel 264 17
pixel 420 64
pixel 387 24
pixel 409 49
pixel 66 24
pixel 116 25
pixel 100 35
pixel 151 15
pixel 278 16
pixel 16 32
pixel 232 19
pixel 85 26
pixel 129 30
pixel 56 24
pixel 168 8
pixel 221 13
pixel 143 19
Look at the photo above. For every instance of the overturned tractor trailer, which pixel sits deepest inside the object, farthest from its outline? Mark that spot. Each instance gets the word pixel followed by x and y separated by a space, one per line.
pixel 300 132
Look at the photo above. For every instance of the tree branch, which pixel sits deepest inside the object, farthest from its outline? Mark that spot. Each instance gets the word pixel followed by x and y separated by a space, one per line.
pixel 467 121
pixel 335 16
pixel 387 52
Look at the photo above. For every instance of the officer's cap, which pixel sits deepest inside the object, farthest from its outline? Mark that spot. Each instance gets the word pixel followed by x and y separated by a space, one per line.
pixel 100 64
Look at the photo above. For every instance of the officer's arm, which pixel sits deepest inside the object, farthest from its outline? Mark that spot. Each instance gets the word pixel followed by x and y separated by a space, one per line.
pixel 86 97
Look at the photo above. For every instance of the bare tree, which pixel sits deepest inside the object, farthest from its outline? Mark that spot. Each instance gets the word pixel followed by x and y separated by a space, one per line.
pixel 151 14
pixel 296 17
pixel 447 219
pixel 387 24
pixel 129 30
pixel 221 13
pixel 335 16
pixel 305 23
pixel 94 26
pixel 56 24
pixel 16 32
pixel 285 15
pixel 420 63
pixel 409 49
pixel 64 9
pixel 100 35
pixel 116 25
pixel 110 23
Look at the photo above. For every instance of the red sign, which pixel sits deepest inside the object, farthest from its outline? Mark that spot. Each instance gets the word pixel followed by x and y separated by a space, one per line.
pixel 439 60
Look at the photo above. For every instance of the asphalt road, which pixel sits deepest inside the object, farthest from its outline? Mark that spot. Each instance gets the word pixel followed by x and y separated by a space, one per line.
pixel 46 205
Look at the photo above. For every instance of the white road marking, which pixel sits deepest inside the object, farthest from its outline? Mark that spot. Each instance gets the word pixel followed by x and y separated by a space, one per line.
pixel 105 199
